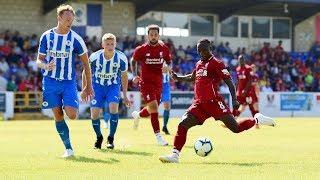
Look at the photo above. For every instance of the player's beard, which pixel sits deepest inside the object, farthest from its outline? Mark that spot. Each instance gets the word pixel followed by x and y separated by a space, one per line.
pixel 153 42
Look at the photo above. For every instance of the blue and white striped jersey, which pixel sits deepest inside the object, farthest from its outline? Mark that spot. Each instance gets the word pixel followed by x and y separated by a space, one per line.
pixel 108 71
pixel 61 48
pixel 166 78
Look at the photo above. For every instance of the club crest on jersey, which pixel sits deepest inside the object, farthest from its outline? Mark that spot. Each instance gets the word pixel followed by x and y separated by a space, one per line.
pixel 68 43
pixel 45 104
pixel 93 102
pixel 161 54
pixel 148 54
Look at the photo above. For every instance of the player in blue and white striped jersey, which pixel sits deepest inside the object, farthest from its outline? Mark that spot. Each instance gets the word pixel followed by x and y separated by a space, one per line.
pixel 109 72
pixel 166 100
pixel 58 48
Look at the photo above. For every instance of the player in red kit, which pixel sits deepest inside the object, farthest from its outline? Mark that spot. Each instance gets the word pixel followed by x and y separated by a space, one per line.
pixel 207 101
pixel 154 57
pixel 246 88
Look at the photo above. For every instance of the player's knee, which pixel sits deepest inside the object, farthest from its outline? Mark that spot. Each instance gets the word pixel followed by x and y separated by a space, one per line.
pixel 72 116
pixel 113 111
pixel 187 121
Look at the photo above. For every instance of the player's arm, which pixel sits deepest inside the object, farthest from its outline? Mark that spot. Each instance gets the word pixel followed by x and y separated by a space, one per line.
pixel 124 83
pixel 87 91
pixel 124 79
pixel 232 90
pixel 42 52
pixel 42 65
pixel 186 78
pixel 167 63
pixel 134 67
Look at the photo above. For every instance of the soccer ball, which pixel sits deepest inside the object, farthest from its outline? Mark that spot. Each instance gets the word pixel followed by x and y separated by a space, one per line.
pixel 203 146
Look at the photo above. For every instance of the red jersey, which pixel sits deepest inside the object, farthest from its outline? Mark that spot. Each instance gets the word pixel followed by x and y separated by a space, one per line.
pixel 208 73
pixel 243 75
pixel 152 59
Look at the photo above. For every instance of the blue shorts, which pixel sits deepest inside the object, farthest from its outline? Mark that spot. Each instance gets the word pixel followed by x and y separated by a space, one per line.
pixel 58 93
pixel 166 94
pixel 105 94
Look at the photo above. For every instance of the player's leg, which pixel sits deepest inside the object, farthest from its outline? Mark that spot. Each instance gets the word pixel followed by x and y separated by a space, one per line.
pixel 113 99
pixel 237 127
pixel 52 99
pixel 70 99
pixel 188 120
pixel 106 116
pixel 153 109
pixel 166 115
pixel 63 131
pixel 95 121
pixel 166 99
pixel 139 114
pixel 114 118
pixel 97 105
pixel 254 108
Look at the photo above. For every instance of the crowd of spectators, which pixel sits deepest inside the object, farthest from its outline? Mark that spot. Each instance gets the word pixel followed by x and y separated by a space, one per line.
pixel 277 70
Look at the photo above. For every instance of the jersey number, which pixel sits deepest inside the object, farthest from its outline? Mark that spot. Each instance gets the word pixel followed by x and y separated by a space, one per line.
pixel 221 105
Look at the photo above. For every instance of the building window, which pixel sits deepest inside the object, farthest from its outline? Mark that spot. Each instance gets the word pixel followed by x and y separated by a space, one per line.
pixel 229 27
pixel 175 24
pixel 244 30
pixel 201 25
pixel 261 27
pixel 146 19
pixel 281 28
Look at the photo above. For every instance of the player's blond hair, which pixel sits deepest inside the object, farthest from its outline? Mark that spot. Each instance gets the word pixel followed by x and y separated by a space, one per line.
pixel 64 7
pixel 108 36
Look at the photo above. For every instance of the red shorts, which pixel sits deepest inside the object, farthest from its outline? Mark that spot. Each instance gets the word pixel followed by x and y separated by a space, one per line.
pixel 151 93
pixel 251 98
pixel 204 110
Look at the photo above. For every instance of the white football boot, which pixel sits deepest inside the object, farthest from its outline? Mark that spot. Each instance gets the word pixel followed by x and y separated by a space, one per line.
pixel 161 141
pixel 264 120
pixel 136 119
pixel 68 153
pixel 171 158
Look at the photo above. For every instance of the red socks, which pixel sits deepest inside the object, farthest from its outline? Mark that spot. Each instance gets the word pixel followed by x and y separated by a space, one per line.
pixel 155 122
pixel 246 124
pixel 180 138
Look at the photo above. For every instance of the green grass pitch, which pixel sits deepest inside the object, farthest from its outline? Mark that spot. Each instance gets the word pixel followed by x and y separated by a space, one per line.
pixel 32 149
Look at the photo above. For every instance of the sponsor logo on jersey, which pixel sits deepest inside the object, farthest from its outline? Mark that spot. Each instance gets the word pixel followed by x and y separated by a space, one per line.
pixel 58 54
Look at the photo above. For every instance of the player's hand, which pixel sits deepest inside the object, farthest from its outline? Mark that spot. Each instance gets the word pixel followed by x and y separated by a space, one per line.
pixel 136 80
pixel 173 75
pixel 50 66
pixel 126 101
pixel 235 104
pixel 165 68
pixel 87 94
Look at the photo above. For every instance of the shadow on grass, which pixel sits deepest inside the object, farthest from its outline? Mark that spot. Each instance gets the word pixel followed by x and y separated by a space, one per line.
pixel 244 164
pixel 92 160
pixel 125 152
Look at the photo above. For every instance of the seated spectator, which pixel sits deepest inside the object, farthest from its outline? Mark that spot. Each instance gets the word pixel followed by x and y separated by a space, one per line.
pixel 3 82
pixel 12 86
pixel 4 67
pixel 266 87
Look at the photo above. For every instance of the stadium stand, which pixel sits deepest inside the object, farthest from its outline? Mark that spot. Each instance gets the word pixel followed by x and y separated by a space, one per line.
pixel 282 71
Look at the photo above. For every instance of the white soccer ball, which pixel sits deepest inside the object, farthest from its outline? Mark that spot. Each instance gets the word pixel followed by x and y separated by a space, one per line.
pixel 203 146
